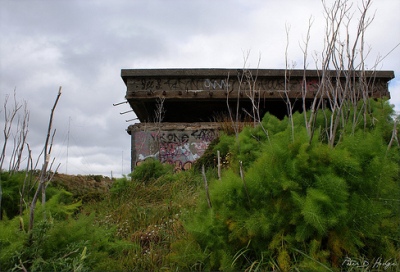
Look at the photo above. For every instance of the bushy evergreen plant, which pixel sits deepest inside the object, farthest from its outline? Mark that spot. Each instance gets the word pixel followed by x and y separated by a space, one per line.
pixel 150 170
pixel 11 186
pixel 304 204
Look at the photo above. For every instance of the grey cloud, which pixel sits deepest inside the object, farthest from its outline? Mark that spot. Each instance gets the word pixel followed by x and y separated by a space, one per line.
pixel 82 45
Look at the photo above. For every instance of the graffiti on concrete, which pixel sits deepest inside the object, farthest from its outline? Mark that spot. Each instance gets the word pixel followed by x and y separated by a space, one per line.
pixel 215 84
pixel 210 84
pixel 179 148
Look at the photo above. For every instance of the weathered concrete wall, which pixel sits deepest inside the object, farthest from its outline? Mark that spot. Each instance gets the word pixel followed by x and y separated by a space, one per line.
pixel 176 144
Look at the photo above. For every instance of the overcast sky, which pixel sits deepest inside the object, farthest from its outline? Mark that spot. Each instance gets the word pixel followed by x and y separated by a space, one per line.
pixel 83 45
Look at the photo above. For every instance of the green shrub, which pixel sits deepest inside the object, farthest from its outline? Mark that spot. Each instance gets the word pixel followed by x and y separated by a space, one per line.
pixel 150 170
pixel 120 185
pixel 11 186
pixel 12 240
pixel 61 205
pixel 209 157
pixel 303 204
pixel 75 244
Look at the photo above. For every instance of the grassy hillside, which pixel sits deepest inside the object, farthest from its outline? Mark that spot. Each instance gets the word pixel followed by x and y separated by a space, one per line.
pixel 103 224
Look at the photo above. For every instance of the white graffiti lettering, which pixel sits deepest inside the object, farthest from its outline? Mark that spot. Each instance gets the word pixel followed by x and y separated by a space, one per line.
pixel 215 84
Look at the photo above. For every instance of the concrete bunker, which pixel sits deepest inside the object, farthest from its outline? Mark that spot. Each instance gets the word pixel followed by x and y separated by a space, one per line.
pixel 192 100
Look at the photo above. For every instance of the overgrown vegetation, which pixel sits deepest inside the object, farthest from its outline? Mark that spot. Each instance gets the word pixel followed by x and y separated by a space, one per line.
pixel 304 205
pixel 131 227
pixel 298 205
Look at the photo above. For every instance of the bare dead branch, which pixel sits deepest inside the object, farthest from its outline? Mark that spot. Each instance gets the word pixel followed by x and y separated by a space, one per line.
pixel 42 178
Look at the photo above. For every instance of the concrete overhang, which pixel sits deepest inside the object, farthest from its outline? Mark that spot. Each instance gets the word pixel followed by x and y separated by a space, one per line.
pixel 199 95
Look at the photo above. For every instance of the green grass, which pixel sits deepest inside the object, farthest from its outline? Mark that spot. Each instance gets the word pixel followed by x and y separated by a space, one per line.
pixel 148 216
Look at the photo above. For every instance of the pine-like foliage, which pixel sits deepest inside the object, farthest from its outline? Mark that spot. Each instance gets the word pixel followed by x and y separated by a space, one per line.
pixel 304 203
